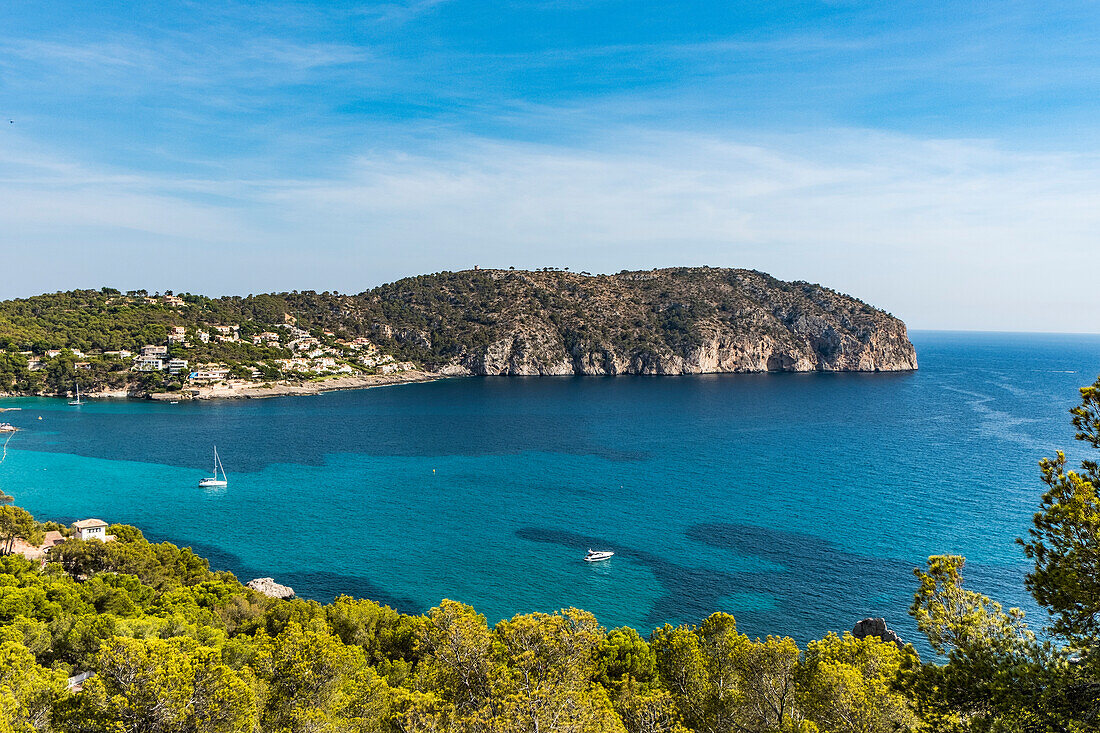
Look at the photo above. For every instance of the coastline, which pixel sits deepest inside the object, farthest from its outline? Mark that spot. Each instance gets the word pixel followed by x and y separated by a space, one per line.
pixel 260 390
pixel 242 390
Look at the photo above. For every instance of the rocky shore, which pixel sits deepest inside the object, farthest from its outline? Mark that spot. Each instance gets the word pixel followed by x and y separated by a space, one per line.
pixel 257 390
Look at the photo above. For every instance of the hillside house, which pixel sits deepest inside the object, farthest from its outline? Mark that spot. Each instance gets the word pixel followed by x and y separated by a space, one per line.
pixel 148 364
pixel 177 366
pixel 159 352
pixel 208 374
pixel 90 529
pixel 177 335
pixel 295 332
pixel 401 366
pixel 303 344
pixel 295 365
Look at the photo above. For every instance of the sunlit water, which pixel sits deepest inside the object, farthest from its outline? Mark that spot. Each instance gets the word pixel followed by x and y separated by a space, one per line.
pixel 799 503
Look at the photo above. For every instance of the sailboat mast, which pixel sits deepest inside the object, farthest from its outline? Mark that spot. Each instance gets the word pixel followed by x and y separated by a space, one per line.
pixel 218 464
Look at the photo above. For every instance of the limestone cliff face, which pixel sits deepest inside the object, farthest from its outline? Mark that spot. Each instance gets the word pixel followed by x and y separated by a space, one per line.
pixel 675 321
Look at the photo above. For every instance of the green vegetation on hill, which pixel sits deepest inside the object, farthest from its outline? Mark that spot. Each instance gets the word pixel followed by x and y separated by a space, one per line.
pixel 175 646
pixel 502 321
pixel 482 322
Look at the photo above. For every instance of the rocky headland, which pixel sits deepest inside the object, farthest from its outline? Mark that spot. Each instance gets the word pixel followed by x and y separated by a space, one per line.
pixel 671 321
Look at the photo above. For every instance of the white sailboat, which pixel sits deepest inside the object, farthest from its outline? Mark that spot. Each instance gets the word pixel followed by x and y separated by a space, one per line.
pixel 214 481
pixel 77 400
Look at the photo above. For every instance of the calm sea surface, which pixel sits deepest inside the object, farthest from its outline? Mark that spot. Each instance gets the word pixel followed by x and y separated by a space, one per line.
pixel 799 503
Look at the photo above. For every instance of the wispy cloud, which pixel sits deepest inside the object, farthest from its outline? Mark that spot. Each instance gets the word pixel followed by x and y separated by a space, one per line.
pixel 947 232
pixel 400 12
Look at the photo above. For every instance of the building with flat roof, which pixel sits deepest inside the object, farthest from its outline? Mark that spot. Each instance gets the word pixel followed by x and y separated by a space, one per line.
pixel 148 364
pixel 90 529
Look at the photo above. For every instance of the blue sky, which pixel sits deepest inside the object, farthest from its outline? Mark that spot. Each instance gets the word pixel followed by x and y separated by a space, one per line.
pixel 939 160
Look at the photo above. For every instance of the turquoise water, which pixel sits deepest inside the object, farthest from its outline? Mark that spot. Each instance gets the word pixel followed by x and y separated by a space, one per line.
pixel 799 503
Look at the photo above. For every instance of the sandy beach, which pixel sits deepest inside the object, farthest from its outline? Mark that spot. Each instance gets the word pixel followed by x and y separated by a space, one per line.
pixel 256 390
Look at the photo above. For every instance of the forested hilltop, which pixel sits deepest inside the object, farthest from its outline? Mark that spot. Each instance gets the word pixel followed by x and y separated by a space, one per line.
pixel 125 635
pixel 673 321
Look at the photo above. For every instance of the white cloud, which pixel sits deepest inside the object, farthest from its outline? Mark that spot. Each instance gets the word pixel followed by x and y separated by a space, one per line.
pixel 945 233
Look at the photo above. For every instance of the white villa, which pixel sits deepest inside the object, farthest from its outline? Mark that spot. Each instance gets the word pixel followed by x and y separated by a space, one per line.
pixel 148 364
pixel 209 374
pixel 90 529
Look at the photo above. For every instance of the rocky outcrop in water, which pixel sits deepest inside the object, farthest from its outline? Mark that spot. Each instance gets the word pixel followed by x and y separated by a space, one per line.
pixel 269 587
pixel 673 321
pixel 876 627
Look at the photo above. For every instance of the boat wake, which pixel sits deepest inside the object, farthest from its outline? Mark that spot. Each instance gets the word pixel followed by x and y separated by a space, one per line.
pixel 4 454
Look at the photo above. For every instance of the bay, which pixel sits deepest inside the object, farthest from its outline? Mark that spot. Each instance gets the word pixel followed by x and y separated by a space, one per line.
pixel 800 503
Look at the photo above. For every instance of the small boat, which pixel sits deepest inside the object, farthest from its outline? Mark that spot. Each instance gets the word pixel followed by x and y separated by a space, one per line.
pixel 597 555
pixel 214 481
pixel 7 428
pixel 77 400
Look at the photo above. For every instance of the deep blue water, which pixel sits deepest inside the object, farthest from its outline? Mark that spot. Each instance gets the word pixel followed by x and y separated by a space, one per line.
pixel 799 503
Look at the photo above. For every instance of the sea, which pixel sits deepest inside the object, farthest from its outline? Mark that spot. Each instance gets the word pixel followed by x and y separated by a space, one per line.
pixel 799 503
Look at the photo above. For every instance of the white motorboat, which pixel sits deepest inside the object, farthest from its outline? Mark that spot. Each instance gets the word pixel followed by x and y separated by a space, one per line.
pixel 597 555
pixel 214 481
pixel 7 428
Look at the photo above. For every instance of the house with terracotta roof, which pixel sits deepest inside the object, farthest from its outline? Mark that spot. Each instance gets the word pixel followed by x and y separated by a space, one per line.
pixel 37 552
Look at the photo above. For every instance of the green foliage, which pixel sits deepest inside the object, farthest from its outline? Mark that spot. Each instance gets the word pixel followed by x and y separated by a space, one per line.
pixel 1065 541
pixel 17 523
pixel 721 680
pixel 997 675
pixel 28 692
pixel 389 639
pixel 162 685
pixel 846 685
pixel 625 655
